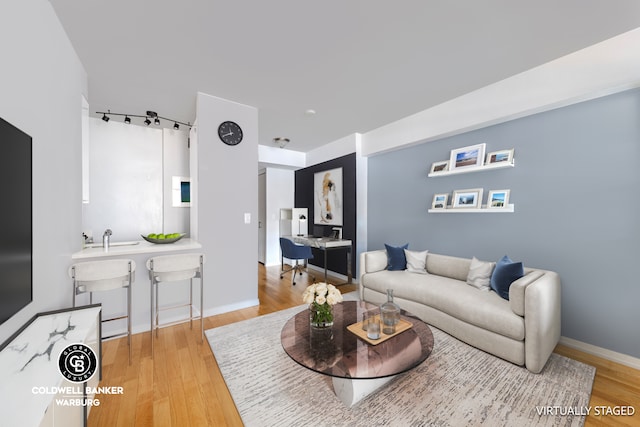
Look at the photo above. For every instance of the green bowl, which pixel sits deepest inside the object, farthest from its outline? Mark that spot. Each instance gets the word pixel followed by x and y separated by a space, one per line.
pixel 163 241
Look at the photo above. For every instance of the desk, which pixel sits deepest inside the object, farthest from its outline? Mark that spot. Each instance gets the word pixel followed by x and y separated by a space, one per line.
pixel 327 244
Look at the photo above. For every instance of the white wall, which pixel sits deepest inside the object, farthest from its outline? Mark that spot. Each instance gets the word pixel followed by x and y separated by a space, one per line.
pixel 130 180
pixel 125 180
pixel 175 162
pixel 280 191
pixel 227 190
pixel 42 86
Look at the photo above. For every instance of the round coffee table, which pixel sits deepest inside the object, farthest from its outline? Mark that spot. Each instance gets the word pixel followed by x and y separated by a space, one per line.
pixel 357 367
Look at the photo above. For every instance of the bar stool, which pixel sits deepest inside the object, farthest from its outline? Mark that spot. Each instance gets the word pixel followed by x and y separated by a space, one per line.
pixel 97 276
pixel 174 268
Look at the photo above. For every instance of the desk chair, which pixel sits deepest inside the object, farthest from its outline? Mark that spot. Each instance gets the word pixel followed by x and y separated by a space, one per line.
pixel 175 268
pixel 97 276
pixel 295 252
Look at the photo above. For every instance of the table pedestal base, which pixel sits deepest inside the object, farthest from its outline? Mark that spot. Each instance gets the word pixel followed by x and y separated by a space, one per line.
pixel 351 391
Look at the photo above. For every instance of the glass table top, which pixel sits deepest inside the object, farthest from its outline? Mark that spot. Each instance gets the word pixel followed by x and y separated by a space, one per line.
pixel 340 353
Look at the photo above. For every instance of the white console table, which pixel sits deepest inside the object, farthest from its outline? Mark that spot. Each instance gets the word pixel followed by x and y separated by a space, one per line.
pixel 30 379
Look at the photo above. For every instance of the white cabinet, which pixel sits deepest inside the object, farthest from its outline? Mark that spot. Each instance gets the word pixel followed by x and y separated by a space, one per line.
pixel 33 390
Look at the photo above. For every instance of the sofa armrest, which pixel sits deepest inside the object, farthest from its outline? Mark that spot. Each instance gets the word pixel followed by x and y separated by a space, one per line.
pixel 370 262
pixel 517 290
pixel 542 320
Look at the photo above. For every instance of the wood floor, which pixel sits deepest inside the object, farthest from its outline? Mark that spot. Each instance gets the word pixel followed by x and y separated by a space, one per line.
pixel 182 385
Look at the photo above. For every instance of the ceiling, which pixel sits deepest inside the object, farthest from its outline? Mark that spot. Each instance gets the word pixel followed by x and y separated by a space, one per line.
pixel 360 64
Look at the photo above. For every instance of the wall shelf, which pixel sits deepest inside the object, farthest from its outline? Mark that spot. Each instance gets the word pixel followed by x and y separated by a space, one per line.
pixel 510 208
pixel 471 169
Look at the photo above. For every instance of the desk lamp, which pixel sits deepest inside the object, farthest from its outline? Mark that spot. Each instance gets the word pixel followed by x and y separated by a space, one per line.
pixel 301 219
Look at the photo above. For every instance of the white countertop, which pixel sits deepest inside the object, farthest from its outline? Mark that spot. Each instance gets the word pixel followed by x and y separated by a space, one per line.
pixel 142 247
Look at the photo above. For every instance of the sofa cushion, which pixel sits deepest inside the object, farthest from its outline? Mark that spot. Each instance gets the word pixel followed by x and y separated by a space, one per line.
pixel 448 266
pixel 505 273
pixel 375 261
pixel 416 261
pixel 395 257
pixel 454 297
pixel 479 275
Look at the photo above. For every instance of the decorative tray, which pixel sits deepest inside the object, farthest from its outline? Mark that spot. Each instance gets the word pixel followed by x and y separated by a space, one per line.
pixel 356 329
pixel 163 241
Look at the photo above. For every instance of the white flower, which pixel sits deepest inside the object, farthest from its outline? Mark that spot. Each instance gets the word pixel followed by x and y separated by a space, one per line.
pixel 308 297
pixel 321 293
pixel 331 299
pixel 321 289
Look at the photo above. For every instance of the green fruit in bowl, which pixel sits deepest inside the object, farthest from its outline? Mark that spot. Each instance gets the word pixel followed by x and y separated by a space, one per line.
pixel 160 236
pixel 152 236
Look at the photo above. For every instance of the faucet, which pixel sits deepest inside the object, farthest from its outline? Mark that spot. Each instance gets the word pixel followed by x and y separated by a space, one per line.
pixel 105 239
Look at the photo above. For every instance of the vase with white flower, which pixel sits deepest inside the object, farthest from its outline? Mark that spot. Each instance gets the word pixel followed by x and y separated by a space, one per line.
pixel 321 298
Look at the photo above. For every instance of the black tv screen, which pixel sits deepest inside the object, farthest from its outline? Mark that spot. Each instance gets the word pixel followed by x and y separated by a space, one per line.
pixel 16 289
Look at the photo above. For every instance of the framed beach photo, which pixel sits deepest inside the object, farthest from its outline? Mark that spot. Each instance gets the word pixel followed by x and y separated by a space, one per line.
pixel 464 157
pixel 440 201
pixel 442 166
pixel 465 199
pixel 498 199
pixel 502 156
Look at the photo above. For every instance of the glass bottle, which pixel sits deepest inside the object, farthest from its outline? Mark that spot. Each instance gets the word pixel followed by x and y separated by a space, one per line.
pixel 390 314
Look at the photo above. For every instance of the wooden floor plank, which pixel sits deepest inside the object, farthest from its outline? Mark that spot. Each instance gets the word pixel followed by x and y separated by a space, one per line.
pixel 181 385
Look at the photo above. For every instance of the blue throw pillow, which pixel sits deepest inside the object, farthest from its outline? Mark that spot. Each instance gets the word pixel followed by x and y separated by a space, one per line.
pixel 505 273
pixel 396 260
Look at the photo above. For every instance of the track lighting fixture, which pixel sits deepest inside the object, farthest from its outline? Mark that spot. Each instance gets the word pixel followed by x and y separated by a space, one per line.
pixel 147 118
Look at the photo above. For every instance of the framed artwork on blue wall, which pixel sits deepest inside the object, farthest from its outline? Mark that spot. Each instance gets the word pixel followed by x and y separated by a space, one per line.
pixel 328 193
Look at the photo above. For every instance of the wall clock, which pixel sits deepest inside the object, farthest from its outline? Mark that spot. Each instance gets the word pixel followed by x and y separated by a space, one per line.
pixel 230 133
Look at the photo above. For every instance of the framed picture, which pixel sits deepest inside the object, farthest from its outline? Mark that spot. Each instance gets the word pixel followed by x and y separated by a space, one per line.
pixel 471 198
pixel 502 156
pixel 498 199
pixel 440 201
pixel 440 166
pixel 328 193
pixel 472 155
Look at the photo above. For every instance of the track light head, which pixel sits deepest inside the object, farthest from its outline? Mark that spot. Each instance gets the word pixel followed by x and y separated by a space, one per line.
pixel 105 118
pixel 157 121
pixel 127 119
pixel 176 126
pixel 147 121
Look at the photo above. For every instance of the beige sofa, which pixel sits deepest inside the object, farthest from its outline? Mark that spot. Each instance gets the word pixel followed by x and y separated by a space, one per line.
pixel 523 330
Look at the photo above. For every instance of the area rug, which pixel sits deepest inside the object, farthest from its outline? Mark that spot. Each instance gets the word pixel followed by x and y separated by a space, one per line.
pixel 458 385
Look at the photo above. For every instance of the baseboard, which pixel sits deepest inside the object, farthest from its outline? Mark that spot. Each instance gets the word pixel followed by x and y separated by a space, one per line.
pixel 231 307
pixel 330 273
pixel 623 359
pixel 144 327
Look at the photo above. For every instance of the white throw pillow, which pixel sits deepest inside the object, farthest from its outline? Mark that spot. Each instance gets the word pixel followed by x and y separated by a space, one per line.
pixel 480 274
pixel 416 261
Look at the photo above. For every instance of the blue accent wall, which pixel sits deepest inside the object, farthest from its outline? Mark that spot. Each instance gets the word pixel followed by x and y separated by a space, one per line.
pixel 576 191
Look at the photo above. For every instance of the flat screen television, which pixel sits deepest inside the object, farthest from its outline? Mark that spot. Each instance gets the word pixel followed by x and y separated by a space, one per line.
pixel 16 243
